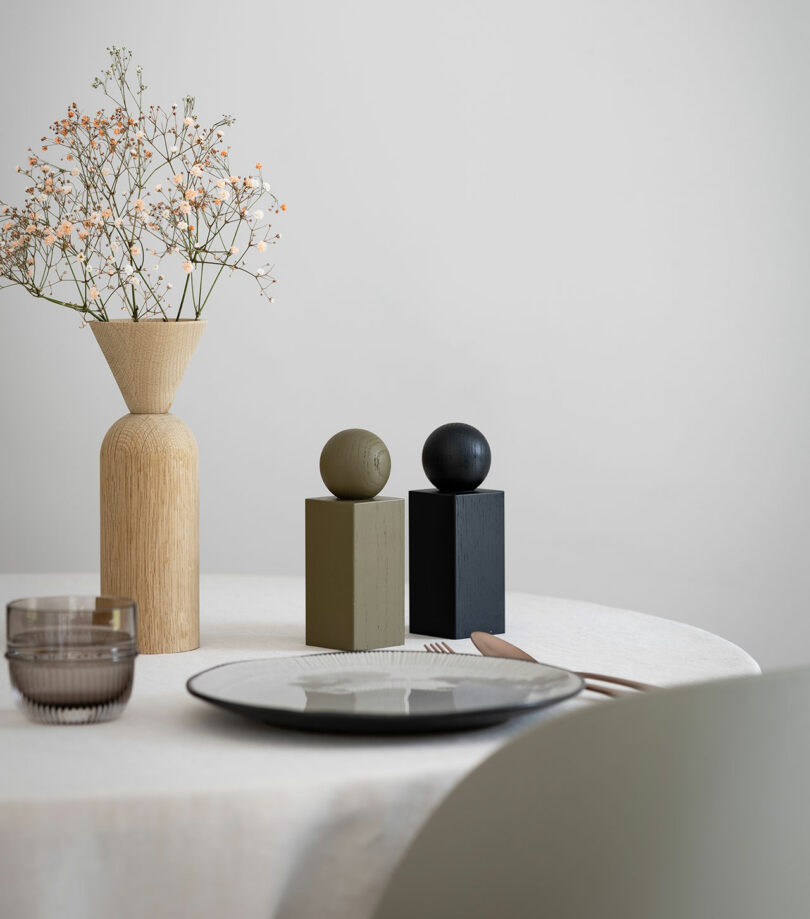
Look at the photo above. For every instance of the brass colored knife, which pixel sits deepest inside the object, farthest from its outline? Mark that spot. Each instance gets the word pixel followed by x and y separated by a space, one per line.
pixel 492 646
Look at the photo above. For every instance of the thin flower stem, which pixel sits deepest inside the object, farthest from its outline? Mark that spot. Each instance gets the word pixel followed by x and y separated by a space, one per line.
pixel 72 306
pixel 183 298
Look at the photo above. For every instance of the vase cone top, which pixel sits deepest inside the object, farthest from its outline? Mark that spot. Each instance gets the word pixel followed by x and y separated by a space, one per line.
pixel 148 358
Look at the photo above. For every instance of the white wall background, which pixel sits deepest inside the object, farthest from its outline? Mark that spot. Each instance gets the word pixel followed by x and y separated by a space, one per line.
pixel 581 226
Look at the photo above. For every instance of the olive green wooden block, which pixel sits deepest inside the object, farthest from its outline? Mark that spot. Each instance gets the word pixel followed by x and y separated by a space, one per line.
pixel 355 568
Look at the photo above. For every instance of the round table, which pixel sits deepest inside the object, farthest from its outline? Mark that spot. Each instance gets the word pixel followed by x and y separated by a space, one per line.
pixel 178 809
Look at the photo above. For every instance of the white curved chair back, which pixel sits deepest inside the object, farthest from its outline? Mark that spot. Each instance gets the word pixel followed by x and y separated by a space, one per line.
pixel 692 803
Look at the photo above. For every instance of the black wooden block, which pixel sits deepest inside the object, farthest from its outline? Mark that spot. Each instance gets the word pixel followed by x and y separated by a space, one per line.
pixel 456 562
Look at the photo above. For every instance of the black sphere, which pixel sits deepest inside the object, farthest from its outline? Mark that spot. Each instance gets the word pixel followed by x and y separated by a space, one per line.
pixel 456 457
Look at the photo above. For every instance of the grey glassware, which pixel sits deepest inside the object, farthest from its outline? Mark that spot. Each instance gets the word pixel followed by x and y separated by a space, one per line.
pixel 71 660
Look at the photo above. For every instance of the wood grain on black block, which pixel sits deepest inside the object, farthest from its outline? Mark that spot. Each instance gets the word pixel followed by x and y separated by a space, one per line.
pixel 456 562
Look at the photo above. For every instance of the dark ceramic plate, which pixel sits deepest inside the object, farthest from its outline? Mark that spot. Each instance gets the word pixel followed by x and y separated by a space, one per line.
pixel 383 692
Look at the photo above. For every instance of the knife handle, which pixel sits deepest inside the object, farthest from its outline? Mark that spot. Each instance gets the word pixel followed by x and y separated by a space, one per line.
pixel 633 684
pixel 605 691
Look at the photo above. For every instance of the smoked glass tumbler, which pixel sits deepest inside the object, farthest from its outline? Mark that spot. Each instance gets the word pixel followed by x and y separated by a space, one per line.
pixel 71 659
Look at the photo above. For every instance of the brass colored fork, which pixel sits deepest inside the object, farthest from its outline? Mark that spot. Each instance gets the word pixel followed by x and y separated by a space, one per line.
pixel 436 647
pixel 439 647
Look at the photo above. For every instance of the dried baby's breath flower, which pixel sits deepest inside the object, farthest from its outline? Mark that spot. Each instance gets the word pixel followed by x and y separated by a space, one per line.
pixel 109 188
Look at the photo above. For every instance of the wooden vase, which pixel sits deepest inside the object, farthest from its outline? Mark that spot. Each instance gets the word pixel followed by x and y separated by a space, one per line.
pixel 149 484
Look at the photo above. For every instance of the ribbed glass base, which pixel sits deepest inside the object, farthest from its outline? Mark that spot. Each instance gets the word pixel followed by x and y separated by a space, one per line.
pixel 69 714
pixel 83 690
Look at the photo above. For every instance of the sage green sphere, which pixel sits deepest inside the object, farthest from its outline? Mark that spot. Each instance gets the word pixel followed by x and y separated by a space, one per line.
pixel 355 464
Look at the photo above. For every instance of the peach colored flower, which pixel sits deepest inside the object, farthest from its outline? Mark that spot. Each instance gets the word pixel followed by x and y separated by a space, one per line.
pixel 258 165
pixel 135 249
pixel 234 250
pixel 64 229
pixel 177 179
pixel 50 239
pixel 93 292
pixel 261 246
pixel 191 194
pixel 196 170
pixel 220 183
pixel 188 267
pixel 106 212
pixel 139 205
pixel 188 122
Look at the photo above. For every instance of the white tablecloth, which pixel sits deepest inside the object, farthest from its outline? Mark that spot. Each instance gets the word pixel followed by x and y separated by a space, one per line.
pixel 180 810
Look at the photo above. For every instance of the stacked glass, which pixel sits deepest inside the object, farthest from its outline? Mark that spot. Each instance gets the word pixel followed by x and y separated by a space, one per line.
pixel 71 659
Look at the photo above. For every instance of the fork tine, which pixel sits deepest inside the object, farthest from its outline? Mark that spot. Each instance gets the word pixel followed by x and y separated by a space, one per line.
pixel 437 647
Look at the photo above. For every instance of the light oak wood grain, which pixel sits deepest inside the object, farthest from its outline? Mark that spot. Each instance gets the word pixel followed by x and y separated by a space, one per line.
pixel 150 527
pixel 148 358
pixel 149 484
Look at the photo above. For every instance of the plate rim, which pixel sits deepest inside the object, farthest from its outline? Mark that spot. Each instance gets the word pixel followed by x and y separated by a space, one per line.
pixel 390 719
